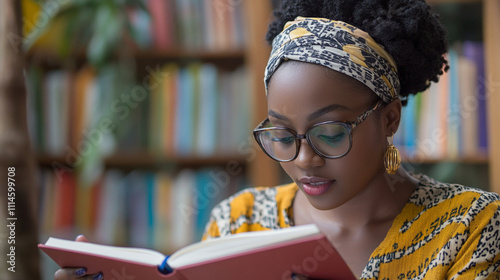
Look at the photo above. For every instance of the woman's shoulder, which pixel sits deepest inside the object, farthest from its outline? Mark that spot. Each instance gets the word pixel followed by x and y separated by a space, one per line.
pixel 253 209
pixel 444 228
pixel 431 193
pixel 437 202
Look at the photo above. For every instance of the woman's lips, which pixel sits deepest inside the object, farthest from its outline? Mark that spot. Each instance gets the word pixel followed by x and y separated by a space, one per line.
pixel 315 185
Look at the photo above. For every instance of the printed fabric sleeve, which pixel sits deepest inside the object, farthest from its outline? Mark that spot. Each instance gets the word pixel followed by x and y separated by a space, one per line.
pixel 479 256
pixel 212 229
pixel 253 209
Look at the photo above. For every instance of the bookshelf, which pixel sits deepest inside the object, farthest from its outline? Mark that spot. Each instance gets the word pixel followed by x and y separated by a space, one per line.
pixel 459 118
pixel 260 170
pixel 139 165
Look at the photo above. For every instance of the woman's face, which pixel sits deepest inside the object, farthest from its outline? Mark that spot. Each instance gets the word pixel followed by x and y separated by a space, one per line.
pixel 303 94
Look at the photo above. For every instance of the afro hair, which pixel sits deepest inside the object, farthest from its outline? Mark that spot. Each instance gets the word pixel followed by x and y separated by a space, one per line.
pixel 407 29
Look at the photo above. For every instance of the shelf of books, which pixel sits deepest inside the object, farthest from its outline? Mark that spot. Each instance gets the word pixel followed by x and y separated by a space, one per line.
pixel 451 123
pixel 139 160
pixel 188 110
pixel 449 120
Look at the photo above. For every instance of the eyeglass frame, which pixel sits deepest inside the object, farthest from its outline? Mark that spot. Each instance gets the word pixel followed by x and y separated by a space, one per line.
pixel 349 125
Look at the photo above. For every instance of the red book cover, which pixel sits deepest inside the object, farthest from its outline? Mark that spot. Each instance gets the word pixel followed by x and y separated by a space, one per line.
pixel 274 256
pixel 161 23
pixel 65 201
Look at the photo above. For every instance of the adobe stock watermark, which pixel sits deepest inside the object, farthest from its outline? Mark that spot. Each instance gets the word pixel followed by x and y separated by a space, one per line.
pixel 121 108
pixel 427 147
pixel 121 275
pixel 39 21
pixel 11 218
pixel 321 253
pixel 220 181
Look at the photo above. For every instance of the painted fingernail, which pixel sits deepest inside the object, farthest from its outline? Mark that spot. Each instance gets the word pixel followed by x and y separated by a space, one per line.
pixel 98 277
pixel 80 272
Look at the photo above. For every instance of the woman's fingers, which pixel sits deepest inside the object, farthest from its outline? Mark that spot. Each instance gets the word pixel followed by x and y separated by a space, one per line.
pixel 81 238
pixel 70 273
pixel 75 273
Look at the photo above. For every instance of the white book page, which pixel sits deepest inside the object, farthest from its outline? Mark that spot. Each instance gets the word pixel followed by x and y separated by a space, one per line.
pixel 195 253
pixel 139 255
pixel 241 242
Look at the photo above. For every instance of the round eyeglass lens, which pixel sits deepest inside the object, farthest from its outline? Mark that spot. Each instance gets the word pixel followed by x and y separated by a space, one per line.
pixel 278 143
pixel 331 139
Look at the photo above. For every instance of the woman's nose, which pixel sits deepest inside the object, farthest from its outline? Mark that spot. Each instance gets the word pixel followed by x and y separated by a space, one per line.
pixel 307 157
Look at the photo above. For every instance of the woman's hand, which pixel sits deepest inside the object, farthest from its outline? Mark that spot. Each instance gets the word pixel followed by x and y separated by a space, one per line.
pixel 76 273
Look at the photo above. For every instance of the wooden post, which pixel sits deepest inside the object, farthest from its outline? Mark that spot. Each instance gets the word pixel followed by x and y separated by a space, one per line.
pixel 491 42
pixel 263 171
pixel 18 220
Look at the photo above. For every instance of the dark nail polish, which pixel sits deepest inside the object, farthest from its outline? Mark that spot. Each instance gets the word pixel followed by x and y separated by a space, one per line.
pixel 80 272
pixel 97 277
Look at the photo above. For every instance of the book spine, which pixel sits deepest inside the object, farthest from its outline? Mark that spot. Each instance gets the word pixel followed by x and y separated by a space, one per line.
pixel 475 52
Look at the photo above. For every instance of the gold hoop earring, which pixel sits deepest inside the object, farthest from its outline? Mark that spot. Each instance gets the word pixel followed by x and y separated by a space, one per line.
pixel 392 158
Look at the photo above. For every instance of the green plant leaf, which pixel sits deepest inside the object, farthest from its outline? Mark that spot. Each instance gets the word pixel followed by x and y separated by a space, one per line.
pixel 108 30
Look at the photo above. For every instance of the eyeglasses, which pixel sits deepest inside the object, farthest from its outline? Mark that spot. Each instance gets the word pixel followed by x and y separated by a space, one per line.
pixel 331 139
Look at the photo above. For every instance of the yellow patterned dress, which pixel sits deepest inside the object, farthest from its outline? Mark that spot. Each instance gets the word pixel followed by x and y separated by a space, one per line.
pixel 445 231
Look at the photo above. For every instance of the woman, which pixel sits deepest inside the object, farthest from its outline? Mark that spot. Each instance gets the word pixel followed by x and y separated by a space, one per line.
pixel 336 81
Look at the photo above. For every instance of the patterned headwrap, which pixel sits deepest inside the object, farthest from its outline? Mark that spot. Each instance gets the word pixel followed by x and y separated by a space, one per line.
pixel 340 47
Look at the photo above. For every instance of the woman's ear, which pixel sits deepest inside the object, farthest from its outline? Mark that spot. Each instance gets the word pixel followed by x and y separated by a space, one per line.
pixel 391 116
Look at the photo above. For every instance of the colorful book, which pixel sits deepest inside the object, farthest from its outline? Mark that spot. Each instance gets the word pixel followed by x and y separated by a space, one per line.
pixel 111 218
pixel 453 115
pixel 274 254
pixel 184 120
pixel 161 25
pixel 65 199
pixel 475 52
pixel 468 104
pixel 163 213
pixel 206 134
pixel 183 209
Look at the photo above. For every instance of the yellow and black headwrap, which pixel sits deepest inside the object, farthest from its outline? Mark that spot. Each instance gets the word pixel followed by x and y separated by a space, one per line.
pixel 340 47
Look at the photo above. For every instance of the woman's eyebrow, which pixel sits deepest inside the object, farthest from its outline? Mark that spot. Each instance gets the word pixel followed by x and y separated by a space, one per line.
pixel 316 114
pixel 276 115
pixel 325 110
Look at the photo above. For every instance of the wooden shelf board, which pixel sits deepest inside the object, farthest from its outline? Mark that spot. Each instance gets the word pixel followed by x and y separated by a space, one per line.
pixel 51 56
pixel 147 160
pixel 466 160
pixel 187 54
pixel 152 160
pixel 434 2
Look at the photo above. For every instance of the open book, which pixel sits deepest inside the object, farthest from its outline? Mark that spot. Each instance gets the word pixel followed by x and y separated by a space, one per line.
pixel 274 254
